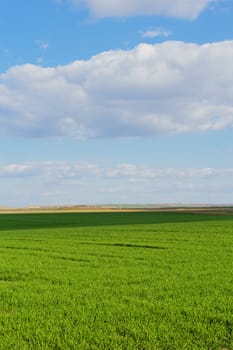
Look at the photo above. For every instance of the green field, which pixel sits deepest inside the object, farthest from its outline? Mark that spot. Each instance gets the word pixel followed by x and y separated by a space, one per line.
pixel 138 281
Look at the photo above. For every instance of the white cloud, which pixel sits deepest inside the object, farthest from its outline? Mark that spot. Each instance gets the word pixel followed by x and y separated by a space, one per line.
pixel 60 183
pixel 121 8
pixel 75 170
pixel 17 170
pixel 139 172
pixel 43 45
pixel 50 169
pixel 155 33
pixel 152 89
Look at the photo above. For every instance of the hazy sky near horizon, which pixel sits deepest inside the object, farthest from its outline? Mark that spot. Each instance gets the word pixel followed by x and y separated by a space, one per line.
pixel 124 101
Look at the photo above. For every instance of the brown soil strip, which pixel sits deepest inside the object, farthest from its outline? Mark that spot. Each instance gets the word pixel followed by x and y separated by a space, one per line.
pixel 96 209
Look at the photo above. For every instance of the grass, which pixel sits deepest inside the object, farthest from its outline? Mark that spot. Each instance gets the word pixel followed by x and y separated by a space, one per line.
pixel 140 281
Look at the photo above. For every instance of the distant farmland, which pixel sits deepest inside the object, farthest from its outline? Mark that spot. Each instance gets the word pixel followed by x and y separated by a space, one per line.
pixel 116 280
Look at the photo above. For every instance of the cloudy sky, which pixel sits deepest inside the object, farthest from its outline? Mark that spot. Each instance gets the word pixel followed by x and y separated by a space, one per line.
pixel 105 101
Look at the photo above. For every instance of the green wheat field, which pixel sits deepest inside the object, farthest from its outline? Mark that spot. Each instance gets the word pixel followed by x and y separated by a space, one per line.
pixel 137 281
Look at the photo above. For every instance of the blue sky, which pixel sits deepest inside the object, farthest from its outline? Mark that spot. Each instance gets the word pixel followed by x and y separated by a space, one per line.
pixel 116 102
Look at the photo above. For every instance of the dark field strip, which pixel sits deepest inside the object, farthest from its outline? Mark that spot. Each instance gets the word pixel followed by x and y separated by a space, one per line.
pixel 58 220
pixel 137 281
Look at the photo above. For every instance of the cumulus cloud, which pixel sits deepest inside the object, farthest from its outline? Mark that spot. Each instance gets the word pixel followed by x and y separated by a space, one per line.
pixel 149 90
pixel 120 8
